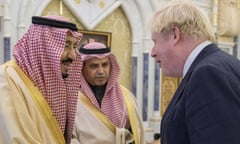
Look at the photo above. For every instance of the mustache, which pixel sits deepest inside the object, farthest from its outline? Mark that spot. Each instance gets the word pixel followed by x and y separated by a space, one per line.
pixel 64 75
pixel 67 60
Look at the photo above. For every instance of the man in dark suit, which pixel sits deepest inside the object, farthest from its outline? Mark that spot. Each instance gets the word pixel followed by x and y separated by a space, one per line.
pixel 206 106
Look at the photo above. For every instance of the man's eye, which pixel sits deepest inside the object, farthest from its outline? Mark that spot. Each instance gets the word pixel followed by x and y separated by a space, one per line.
pixel 75 46
pixel 93 66
pixel 66 45
pixel 105 65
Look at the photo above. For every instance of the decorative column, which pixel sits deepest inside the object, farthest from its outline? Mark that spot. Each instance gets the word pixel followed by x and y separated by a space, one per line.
pixel 155 120
pixel 224 42
pixel 237 42
pixel 236 46
pixel 146 98
pixel 215 15
pixel 1 32
pixel 145 86
pixel 152 91
pixel 136 73
pixel 6 33
pixel 21 19
pixel 60 7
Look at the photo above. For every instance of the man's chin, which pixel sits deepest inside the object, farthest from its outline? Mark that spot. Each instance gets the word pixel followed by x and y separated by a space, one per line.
pixel 101 83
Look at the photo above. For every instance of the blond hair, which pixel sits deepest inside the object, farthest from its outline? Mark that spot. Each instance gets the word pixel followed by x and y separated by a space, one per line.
pixel 187 17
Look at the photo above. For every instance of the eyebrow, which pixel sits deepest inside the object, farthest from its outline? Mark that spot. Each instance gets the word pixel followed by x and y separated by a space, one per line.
pixel 107 62
pixel 95 63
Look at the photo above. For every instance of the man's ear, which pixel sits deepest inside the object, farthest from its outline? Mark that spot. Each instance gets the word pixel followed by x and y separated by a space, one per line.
pixel 176 34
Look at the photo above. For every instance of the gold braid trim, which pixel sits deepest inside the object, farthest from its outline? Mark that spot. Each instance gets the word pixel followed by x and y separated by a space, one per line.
pixel 40 102
pixel 131 113
pixel 103 118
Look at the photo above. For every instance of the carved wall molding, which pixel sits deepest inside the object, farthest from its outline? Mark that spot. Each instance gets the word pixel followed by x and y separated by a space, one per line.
pixel 169 86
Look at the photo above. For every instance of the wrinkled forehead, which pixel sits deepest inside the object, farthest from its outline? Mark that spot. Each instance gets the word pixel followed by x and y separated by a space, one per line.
pixel 98 60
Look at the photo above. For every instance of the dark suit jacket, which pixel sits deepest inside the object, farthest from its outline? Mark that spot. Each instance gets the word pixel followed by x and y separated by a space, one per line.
pixel 206 106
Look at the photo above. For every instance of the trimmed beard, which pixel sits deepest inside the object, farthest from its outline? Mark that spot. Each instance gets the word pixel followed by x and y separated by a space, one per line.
pixel 64 75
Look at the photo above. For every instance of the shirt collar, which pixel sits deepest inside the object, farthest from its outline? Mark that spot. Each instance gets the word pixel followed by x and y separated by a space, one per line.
pixel 193 56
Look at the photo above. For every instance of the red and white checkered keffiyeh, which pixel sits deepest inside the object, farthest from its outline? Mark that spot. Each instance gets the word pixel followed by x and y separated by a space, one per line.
pixel 38 53
pixel 112 103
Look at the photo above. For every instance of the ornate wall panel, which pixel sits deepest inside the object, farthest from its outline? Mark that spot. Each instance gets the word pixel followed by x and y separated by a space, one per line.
pixel 228 17
pixel 169 86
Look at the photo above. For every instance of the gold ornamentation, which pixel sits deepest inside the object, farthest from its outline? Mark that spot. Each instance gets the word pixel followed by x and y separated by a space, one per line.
pixel 61 8
pixel 101 4
pixel 77 1
pixel 169 86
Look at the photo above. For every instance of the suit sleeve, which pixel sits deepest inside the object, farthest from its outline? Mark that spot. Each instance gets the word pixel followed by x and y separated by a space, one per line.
pixel 213 107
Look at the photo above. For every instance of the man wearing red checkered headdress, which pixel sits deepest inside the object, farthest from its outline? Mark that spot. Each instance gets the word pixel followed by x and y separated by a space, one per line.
pixel 107 112
pixel 39 87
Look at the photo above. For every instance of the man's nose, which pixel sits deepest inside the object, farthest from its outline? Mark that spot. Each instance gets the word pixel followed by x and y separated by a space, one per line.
pixel 153 54
pixel 100 69
pixel 72 54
